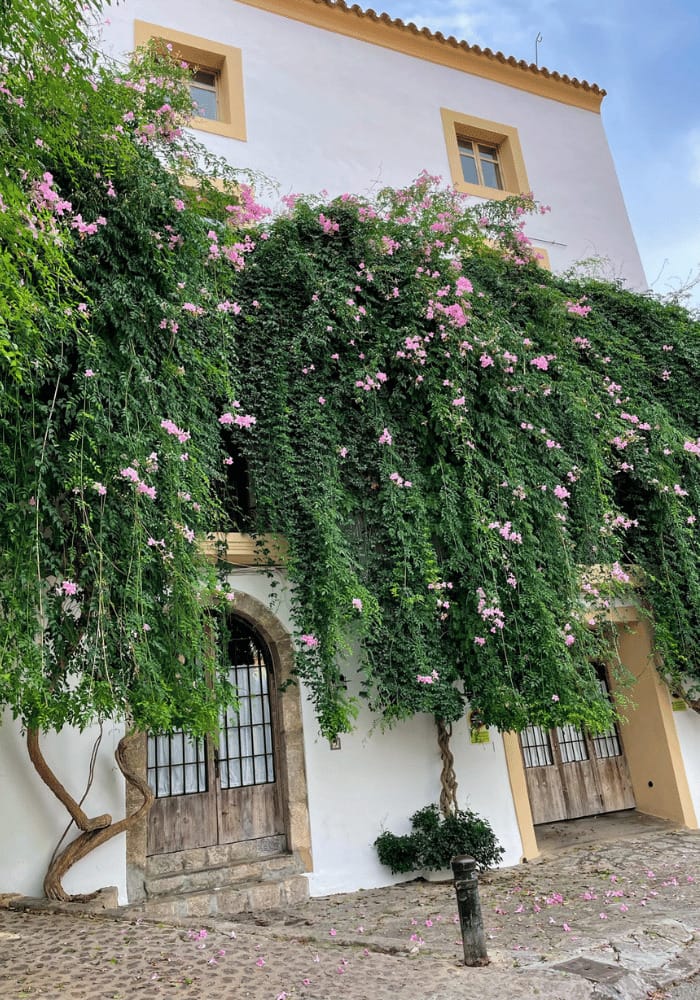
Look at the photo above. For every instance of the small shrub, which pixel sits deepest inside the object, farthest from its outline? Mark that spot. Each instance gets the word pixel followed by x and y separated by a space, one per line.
pixel 434 841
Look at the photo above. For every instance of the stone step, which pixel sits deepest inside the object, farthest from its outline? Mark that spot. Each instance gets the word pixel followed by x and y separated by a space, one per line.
pixel 212 857
pixel 223 876
pixel 221 901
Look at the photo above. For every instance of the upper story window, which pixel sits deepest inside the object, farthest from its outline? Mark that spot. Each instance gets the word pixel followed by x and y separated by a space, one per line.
pixel 203 89
pixel 479 163
pixel 485 157
pixel 217 81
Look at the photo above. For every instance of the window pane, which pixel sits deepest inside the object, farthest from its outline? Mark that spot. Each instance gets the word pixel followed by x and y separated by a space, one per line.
pixel 205 100
pixel 492 175
pixel 469 171
pixel 204 76
pixel 488 153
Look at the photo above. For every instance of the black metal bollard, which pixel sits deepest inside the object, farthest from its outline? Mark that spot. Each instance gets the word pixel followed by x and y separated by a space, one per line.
pixel 469 907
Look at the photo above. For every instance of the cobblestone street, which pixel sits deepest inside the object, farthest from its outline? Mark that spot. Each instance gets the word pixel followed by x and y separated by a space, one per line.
pixel 633 904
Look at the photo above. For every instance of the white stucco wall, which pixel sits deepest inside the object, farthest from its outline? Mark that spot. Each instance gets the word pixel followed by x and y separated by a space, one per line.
pixel 688 729
pixel 377 780
pixel 38 819
pixel 325 111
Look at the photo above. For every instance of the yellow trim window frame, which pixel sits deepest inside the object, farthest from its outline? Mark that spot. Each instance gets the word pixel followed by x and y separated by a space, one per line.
pixel 485 157
pixel 217 84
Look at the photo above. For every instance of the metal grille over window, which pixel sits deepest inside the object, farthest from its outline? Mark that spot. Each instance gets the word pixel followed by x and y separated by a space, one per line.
pixel 246 752
pixel 572 744
pixel 607 744
pixel 537 750
pixel 176 765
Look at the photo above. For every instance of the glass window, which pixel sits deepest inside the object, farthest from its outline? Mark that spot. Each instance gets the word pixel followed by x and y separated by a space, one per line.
pixel 480 163
pixel 203 92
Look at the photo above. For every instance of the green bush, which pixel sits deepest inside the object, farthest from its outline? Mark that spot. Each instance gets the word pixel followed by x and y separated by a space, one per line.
pixel 434 841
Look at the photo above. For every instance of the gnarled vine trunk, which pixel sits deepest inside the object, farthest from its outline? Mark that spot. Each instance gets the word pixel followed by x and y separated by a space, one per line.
pixel 94 831
pixel 448 778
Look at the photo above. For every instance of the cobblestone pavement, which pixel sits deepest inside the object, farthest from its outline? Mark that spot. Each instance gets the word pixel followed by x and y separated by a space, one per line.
pixel 632 904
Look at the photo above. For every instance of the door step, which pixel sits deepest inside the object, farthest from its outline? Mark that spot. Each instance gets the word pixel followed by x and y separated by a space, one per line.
pixel 227 875
pixel 214 882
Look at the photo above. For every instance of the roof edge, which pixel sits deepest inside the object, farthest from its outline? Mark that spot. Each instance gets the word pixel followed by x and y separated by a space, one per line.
pixel 432 46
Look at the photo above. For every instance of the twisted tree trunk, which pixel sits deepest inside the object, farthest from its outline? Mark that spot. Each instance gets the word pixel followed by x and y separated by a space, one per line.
pixel 448 778
pixel 95 831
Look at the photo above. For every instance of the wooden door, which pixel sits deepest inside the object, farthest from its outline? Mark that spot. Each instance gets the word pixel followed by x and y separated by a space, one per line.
pixel 570 773
pixel 223 791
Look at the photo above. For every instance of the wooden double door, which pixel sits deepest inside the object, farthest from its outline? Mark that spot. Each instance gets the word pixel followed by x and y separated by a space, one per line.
pixel 223 790
pixel 570 773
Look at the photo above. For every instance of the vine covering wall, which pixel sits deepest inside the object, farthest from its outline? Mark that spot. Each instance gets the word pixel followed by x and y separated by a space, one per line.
pixel 465 453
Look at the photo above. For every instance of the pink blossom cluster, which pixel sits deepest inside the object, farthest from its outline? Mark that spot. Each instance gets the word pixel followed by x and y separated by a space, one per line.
pixel 141 487
pixel 328 225
pixel 247 211
pixel 505 530
pixel 239 419
pixel 400 481
pixel 385 437
pixel 310 641
pixel 577 309
pixel 491 614
pixel 173 429
pixel 428 678
pixel 369 383
pixel 542 362
pixel 692 446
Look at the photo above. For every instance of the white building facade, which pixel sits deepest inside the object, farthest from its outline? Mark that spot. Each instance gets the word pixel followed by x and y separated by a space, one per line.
pixel 321 97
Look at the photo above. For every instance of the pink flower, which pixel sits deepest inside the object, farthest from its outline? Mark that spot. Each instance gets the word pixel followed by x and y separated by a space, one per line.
pixel 260 962
pixel 342 452
pixel 460 401
pixel 99 489
pixel 68 588
pixel 310 641
pixel 89 373
pixel 479 640
pixel 386 437
pixel 357 603
pixel 130 474
pixel 332 932
pixel 569 639
pixel 555 697
pixel 322 401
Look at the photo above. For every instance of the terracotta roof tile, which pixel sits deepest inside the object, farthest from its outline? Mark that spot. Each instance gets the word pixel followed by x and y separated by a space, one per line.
pixel 455 43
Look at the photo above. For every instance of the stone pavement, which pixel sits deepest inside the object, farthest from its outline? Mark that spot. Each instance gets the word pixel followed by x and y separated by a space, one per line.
pixel 632 905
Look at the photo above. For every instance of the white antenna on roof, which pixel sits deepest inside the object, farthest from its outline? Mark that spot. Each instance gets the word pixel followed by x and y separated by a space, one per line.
pixel 537 42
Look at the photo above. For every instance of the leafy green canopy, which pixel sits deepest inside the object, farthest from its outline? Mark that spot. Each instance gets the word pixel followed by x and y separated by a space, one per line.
pixel 445 434
pixel 446 437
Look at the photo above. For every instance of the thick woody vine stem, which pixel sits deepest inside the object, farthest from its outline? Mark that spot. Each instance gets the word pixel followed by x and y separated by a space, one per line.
pixel 80 819
pixel 448 778
pixel 92 835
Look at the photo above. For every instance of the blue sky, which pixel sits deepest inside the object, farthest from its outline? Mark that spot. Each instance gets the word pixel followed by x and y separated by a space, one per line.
pixel 647 56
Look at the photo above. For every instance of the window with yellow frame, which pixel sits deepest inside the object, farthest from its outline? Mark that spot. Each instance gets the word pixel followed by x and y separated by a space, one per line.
pixel 217 81
pixel 485 157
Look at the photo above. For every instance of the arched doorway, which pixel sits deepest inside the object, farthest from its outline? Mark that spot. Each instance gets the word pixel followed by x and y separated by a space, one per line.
pixel 225 789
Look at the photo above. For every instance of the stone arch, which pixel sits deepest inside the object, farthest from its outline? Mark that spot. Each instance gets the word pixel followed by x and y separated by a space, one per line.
pixel 290 726
pixel 290 733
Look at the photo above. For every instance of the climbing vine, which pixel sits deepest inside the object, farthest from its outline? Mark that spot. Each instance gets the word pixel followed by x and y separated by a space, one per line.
pixel 464 453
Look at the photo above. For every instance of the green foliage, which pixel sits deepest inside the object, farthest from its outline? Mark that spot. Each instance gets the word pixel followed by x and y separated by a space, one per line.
pixel 434 840
pixel 462 451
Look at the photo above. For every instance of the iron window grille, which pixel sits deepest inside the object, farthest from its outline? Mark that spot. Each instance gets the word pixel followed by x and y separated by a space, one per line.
pixel 176 765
